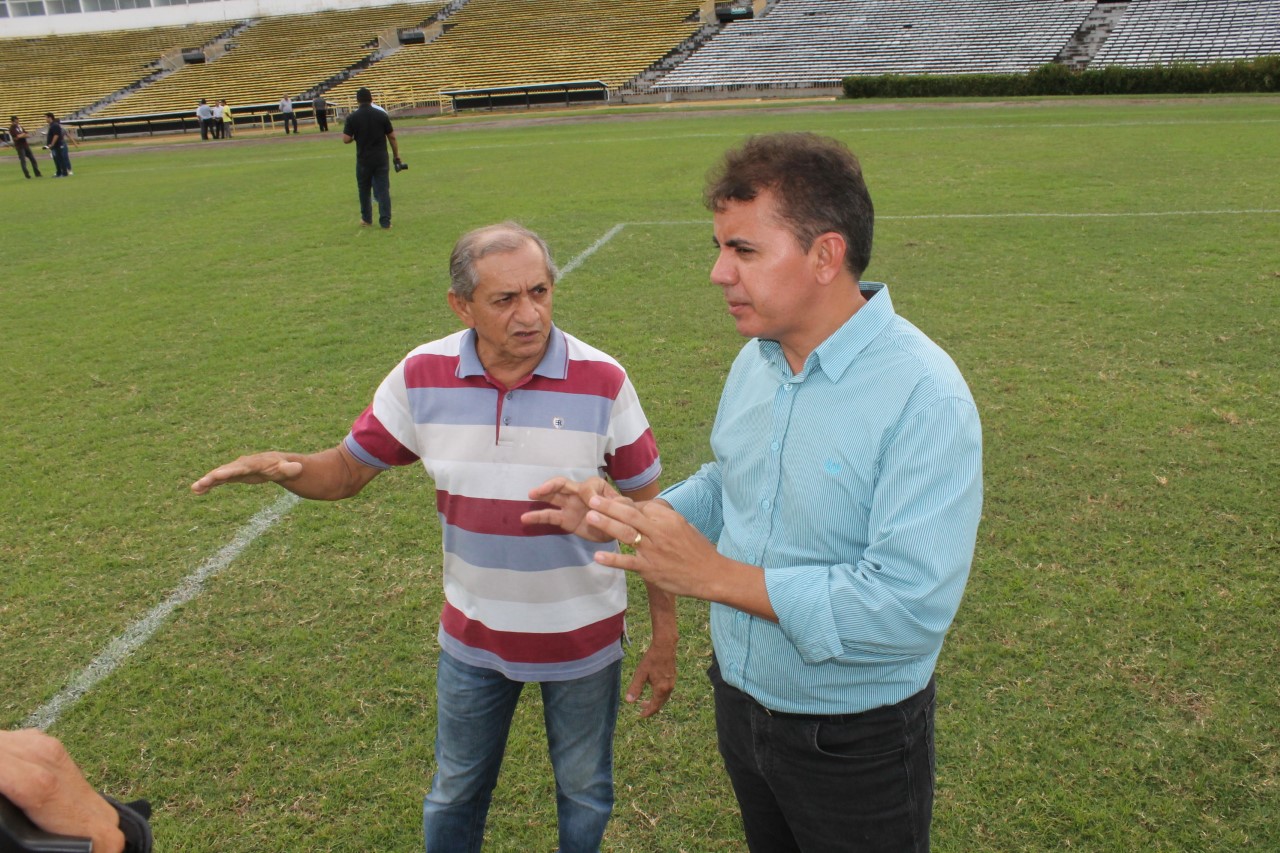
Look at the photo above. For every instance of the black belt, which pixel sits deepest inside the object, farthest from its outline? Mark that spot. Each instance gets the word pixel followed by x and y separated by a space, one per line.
pixel 811 718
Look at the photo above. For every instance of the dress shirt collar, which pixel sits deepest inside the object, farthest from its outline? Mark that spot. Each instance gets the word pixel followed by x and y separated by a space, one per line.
pixel 834 355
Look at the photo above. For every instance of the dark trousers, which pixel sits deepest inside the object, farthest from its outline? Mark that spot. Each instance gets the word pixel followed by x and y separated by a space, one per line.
pixel 375 178
pixel 854 782
pixel 289 119
pixel 61 159
pixel 204 128
pixel 24 151
pixel 322 119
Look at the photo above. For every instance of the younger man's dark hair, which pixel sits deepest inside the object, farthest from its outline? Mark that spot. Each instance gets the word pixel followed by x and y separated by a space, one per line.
pixel 816 182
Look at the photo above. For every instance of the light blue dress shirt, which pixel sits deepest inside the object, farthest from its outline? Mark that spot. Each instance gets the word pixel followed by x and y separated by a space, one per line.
pixel 857 484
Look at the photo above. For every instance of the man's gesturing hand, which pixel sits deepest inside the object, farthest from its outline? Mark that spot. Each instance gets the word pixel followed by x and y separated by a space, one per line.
pixel 568 499
pixel 269 467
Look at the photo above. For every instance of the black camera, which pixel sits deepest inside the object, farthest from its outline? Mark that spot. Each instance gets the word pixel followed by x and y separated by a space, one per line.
pixel 400 167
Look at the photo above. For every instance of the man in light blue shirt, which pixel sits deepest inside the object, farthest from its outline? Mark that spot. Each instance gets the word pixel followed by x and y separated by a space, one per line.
pixel 843 504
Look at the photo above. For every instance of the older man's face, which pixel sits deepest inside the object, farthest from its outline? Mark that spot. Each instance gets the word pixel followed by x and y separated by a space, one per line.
pixel 510 311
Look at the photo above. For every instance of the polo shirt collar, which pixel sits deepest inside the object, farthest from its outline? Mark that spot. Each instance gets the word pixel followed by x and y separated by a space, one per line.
pixel 554 364
pixel 834 355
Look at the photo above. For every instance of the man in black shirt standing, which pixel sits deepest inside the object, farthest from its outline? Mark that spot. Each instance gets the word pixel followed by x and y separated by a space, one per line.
pixel 56 141
pixel 370 129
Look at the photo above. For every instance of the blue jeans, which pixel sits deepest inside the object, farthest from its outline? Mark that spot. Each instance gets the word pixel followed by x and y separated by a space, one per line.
pixel 61 159
pixel 375 179
pixel 474 711
pixel 823 784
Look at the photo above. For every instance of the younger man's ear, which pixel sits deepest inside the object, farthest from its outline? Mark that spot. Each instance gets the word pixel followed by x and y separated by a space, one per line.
pixel 828 253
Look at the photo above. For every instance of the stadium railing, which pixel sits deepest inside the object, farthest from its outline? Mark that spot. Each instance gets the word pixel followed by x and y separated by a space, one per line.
pixel 243 115
pixel 568 93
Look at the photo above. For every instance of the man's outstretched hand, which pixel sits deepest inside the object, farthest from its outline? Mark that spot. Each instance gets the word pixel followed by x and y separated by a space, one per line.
pixel 269 467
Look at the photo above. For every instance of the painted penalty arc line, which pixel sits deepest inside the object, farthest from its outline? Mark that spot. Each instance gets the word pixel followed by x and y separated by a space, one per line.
pixel 137 634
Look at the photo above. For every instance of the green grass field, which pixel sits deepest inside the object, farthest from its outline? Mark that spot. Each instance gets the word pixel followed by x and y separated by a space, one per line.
pixel 1104 272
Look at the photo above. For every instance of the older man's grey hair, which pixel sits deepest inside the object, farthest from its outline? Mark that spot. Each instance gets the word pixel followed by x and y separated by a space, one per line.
pixel 491 239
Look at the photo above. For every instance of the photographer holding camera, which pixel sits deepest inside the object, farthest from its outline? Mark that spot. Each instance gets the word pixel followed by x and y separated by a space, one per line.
pixel 47 805
pixel 370 129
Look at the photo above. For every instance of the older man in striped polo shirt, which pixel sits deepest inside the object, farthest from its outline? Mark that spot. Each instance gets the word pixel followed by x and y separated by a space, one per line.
pixel 492 411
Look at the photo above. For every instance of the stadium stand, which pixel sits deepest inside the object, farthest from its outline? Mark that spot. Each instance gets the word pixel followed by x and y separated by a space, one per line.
pixel 1162 32
pixel 66 74
pixel 497 43
pixel 815 44
pixel 410 53
pixel 286 55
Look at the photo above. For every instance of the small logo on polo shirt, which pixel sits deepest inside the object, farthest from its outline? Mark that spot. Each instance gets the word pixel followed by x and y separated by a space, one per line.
pixel 558 423
pixel 832 467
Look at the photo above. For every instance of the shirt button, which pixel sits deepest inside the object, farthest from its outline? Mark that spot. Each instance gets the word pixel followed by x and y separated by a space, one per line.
pixel 510 394
pixel 735 669
pixel 742 617
pixel 774 447
pixel 764 504
pixel 506 421
pixel 787 387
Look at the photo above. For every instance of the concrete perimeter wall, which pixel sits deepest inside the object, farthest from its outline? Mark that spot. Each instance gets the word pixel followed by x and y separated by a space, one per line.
pixel 166 16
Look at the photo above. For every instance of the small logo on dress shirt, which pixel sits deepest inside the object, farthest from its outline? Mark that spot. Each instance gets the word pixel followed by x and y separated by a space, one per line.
pixel 832 467
pixel 558 423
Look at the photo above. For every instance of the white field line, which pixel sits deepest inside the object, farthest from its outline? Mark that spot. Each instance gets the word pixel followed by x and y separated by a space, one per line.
pixel 1098 215
pixel 113 656
pixel 592 249
pixel 1260 211
pixel 110 658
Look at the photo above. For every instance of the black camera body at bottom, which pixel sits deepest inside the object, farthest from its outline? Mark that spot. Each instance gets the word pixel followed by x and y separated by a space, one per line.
pixel 400 167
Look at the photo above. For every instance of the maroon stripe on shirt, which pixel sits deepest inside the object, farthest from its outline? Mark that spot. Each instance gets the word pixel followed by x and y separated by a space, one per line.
pixel 524 647
pixel 491 515
pixel 375 440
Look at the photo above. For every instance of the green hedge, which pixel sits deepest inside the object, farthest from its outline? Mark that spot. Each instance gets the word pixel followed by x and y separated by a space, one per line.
pixel 1251 75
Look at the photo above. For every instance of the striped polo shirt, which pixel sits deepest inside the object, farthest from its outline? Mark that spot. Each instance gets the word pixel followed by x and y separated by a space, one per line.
pixel 529 602
pixel 856 484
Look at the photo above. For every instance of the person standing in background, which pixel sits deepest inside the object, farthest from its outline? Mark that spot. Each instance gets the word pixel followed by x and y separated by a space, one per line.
pixel 227 124
pixel 56 142
pixel 23 146
pixel 287 116
pixel 321 107
pixel 370 129
pixel 204 114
